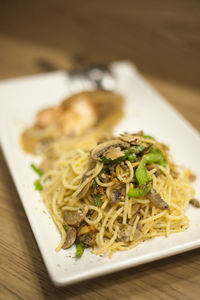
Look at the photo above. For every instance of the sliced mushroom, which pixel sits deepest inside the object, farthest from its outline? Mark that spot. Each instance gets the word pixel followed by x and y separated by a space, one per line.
pixel 74 218
pixel 195 202
pixel 117 194
pixel 70 238
pixel 156 200
pixel 100 149
pixel 85 229
pixel 88 239
pixel 114 153
pixel 85 189
pixel 130 138
pixel 87 234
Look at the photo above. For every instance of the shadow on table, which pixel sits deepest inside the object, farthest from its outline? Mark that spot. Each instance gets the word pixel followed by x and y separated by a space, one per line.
pixel 144 279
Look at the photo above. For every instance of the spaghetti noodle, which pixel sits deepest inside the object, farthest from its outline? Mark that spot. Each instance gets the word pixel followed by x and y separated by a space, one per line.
pixel 116 194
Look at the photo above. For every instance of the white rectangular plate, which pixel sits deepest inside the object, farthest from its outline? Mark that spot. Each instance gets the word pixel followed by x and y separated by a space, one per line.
pixel 145 109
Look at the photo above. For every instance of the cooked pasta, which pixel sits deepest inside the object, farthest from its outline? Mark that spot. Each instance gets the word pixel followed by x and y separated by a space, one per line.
pixel 114 195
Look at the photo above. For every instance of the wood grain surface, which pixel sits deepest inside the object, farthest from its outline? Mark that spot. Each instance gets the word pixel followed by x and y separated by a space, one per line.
pixel 163 40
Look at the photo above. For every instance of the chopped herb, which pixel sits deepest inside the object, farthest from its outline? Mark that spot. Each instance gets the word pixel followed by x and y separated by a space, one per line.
pixel 94 185
pixel 65 227
pixel 79 249
pixel 97 200
pixel 36 169
pixel 108 161
pixel 127 152
pixel 38 185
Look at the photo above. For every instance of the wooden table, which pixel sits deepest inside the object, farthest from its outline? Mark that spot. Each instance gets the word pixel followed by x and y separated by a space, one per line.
pixel 163 40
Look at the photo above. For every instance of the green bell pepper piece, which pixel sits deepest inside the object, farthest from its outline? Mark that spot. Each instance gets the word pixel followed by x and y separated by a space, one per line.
pixel 153 156
pixel 148 137
pixel 141 190
pixel 79 249
pixel 136 192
